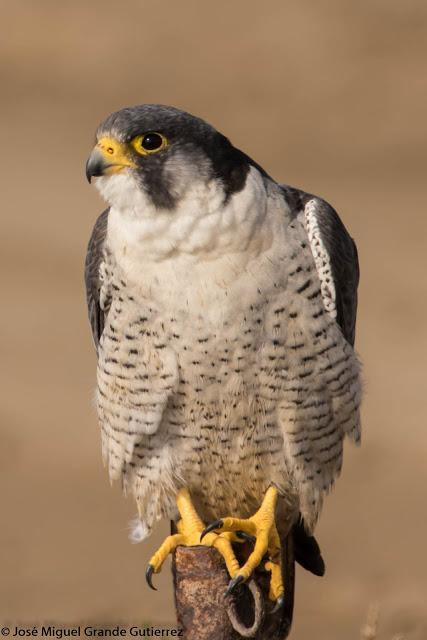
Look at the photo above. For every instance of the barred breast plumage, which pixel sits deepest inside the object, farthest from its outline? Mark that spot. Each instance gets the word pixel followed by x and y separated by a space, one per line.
pixel 225 370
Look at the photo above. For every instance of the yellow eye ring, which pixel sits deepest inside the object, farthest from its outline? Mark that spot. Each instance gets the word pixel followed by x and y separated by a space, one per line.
pixel 149 143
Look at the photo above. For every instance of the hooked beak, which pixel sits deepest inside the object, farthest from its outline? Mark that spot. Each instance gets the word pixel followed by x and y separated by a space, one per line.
pixel 96 165
pixel 107 157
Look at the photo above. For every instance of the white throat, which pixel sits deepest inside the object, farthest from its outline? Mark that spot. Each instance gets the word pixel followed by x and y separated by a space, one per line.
pixel 200 225
pixel 205 256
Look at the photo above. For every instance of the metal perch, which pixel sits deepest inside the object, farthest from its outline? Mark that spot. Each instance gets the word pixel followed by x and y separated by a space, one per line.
pixel 205 613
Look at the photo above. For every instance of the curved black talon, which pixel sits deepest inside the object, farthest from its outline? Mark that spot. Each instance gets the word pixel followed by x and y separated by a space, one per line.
pixel 149 576
pixel 279 604
pixel 246 536
pixel 214 525
pixel 233 584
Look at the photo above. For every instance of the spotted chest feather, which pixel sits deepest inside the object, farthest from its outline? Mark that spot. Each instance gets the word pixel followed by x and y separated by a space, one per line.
pixel 227 385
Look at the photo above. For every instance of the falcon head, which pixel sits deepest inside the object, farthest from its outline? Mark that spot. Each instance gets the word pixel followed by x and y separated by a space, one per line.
pixel 153 155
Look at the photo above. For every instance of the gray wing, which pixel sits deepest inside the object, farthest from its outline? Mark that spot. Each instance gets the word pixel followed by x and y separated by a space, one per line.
pixel 94 257
pixel 323 403
pixel 341 253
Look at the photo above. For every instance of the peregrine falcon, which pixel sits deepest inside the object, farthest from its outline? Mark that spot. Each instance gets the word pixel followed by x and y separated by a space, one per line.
pixel 223 309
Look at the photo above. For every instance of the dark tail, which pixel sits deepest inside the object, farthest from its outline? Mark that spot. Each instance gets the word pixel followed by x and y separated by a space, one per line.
pixel 307 551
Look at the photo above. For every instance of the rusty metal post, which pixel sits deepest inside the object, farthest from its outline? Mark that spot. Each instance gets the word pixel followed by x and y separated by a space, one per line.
pixel 200 580
pixel 205 613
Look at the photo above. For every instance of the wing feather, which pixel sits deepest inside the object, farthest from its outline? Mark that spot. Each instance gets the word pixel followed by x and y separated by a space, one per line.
pixel 324 224
pixel 324 404
pixel 94 258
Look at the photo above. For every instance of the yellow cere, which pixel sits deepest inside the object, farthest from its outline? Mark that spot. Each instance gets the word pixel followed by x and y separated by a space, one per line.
pixel 115 153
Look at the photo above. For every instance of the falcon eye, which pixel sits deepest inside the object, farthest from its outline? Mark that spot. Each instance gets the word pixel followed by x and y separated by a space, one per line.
pixel 151 142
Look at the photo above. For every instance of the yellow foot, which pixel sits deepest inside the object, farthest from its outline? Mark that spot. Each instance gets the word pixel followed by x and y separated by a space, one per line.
pixel 262 528
pixel 190 529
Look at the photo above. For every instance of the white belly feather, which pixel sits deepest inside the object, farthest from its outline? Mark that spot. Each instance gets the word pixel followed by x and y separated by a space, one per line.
pixel 217 360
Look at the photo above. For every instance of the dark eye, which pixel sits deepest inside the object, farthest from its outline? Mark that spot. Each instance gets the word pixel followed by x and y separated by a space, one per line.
pixel 152 141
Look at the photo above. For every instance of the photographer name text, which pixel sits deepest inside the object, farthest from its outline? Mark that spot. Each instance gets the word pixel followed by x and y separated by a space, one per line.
pixel 52 631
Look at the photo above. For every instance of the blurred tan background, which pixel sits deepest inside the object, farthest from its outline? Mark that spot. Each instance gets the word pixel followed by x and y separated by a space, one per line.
pixel 330 96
